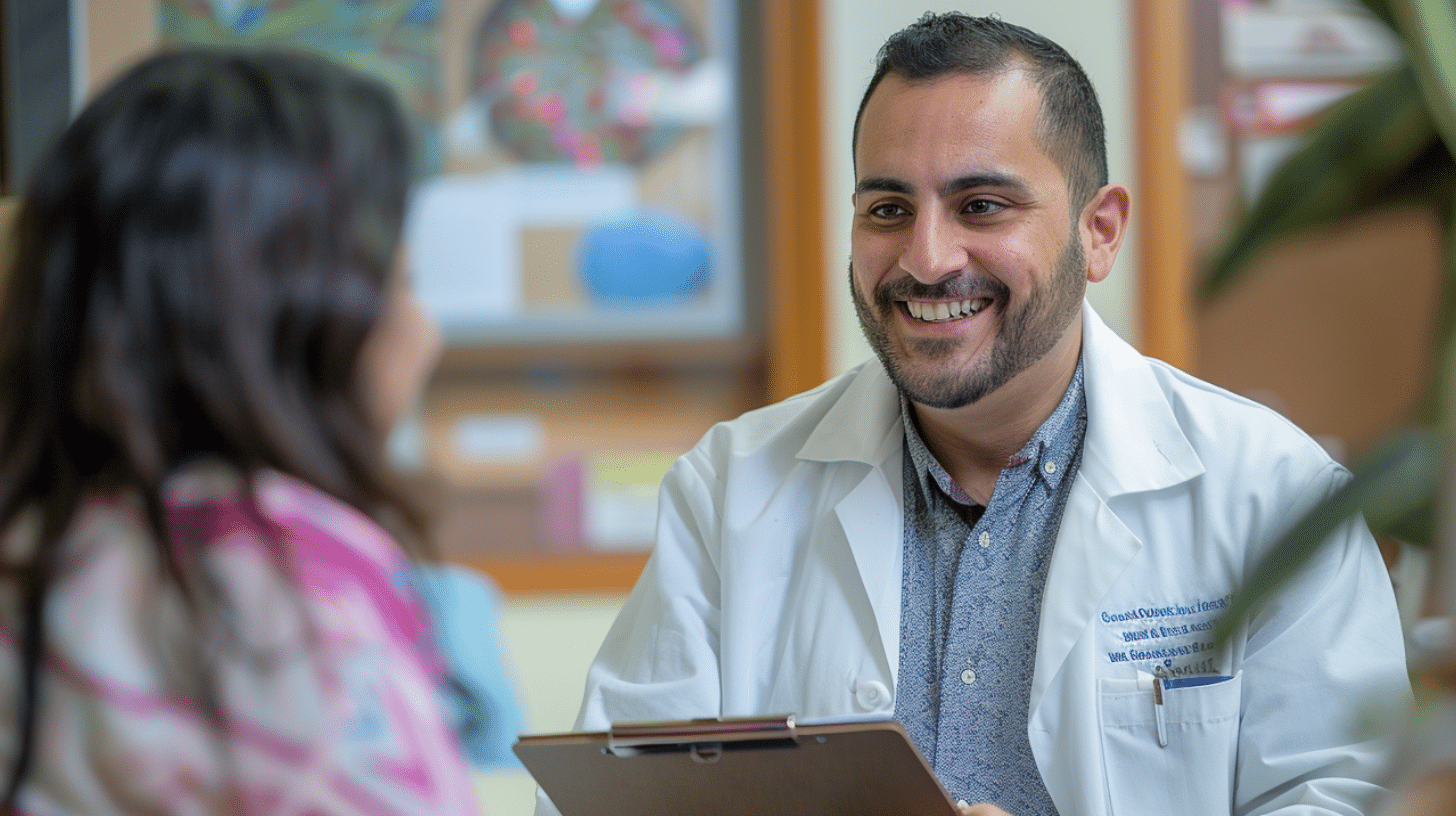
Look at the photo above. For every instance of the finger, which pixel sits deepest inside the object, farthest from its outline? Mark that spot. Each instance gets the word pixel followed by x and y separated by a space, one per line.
pixel 979 809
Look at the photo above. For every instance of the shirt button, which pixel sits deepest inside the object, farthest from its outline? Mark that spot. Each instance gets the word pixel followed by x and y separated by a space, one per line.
pixel 1050 467
pixel 985 539
pixel 968 677
pixel 870 695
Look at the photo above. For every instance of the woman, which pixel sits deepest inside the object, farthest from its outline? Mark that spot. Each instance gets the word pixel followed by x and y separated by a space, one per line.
pixel 205 339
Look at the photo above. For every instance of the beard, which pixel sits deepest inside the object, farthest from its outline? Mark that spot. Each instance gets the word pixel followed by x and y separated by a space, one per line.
pixel 930 371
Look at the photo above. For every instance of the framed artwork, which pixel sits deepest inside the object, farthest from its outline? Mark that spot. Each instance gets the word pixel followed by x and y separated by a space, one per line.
pixel 628 148
pixel 578 160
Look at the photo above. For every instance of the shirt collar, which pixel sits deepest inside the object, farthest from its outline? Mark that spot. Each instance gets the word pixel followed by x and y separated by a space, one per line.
pixel 1049 451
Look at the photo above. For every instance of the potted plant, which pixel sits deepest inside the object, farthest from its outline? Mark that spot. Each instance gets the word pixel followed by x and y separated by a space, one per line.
pixel 1389 144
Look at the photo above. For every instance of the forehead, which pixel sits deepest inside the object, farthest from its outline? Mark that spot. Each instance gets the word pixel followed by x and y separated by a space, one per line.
pixel 953 124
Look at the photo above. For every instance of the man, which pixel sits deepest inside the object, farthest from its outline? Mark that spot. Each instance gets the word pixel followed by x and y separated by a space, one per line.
pixel 1011 532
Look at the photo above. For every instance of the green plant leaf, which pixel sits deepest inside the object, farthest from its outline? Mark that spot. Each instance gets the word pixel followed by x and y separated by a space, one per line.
pixel 1381 9
pixel 1429 26
pixel 1417 528
pixel 1398 485
pixel 1394 488
pixel 1374 148
pixel 1441 385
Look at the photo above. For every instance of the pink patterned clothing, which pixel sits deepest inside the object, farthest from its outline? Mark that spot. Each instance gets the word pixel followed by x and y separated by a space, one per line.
pixel 326 683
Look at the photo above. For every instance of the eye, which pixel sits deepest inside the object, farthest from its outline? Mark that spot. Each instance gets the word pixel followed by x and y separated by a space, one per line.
pixel 888 210
pixel 982 206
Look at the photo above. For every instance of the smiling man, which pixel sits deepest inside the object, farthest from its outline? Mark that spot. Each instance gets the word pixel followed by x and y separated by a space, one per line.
pixel 1010 531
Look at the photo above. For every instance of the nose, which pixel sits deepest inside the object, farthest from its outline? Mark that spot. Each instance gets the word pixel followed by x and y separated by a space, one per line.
pixel 935 251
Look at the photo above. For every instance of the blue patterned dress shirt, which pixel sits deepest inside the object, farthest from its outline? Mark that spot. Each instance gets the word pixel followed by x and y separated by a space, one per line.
pixel 971 605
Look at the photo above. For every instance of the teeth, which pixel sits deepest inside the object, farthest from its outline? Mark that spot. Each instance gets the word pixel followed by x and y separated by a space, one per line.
pixel 937 312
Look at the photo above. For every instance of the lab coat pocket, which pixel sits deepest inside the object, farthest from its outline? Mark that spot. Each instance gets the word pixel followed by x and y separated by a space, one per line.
pixel 1193 772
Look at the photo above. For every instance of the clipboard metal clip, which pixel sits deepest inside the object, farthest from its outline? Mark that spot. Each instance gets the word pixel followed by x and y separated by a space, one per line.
pixel 704 739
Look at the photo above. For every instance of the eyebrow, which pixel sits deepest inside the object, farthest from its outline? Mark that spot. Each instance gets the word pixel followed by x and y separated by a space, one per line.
pixel 1005 181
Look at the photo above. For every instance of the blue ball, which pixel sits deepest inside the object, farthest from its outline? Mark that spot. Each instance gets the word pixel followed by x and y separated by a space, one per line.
pixel 642 258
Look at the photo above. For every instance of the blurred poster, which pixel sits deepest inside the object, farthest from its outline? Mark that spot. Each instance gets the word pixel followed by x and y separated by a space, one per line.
pixel 395 40
pixel 579 158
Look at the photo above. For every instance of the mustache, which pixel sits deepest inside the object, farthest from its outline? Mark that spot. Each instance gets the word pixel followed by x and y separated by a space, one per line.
pixel 966 287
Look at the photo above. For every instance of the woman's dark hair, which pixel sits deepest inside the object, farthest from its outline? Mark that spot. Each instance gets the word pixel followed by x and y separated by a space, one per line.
pixel 1070 122
pixel 196 265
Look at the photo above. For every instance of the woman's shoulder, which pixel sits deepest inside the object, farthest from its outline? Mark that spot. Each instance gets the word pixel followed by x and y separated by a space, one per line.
pixel 212 505
pixel 333 552
pixel 322 649
pixel 318 519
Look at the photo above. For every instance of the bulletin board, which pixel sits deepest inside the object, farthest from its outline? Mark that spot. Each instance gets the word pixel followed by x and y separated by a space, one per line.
pixel 600 385
pixel 578 160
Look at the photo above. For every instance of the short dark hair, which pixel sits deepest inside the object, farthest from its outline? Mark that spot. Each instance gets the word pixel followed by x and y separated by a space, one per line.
pixel 1070 122
pixel 198 262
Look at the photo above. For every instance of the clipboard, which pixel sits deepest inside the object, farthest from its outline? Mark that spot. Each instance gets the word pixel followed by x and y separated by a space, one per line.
pixel 732 766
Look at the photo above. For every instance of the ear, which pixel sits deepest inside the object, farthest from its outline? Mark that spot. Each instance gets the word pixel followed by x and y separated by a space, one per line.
pixel 1102 226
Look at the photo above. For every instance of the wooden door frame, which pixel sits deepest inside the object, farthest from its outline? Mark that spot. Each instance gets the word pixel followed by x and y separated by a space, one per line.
pixel 794 164
pixel 1165 285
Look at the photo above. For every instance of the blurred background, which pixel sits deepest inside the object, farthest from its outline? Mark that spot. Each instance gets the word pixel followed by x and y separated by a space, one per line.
pixel 632 221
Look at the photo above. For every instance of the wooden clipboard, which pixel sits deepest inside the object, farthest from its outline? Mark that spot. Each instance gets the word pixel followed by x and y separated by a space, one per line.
pixel 732 767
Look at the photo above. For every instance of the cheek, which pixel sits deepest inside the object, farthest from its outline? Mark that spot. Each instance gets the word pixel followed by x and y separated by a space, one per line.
pixel 861 286
pixel 422 328
pixel 871 257
pixel 1019 264
pixel 397 359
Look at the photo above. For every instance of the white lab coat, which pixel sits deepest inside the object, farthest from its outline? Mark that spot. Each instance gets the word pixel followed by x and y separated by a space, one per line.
pixel 775 587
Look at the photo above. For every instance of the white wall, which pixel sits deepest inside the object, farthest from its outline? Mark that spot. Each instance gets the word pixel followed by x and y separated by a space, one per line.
pixel 551 640
pixel 1098 33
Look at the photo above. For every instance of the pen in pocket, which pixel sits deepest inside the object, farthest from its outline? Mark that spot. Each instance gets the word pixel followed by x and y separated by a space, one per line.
pixel 1158 715
pixel 1162 684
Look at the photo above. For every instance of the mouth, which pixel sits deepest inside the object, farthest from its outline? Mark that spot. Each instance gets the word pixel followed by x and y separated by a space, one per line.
pixel 927 311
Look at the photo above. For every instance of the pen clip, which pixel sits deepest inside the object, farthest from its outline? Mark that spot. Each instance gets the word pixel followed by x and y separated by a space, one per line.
pixel 1159 677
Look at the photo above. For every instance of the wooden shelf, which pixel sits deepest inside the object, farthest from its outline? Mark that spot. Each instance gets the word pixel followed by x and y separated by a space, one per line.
pixel 563 573
pixel 539 504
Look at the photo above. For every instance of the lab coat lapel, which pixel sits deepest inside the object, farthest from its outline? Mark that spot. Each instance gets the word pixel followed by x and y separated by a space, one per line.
pixel 1093 547
pixel 862 437
pixel 1133 444
pixel 871 519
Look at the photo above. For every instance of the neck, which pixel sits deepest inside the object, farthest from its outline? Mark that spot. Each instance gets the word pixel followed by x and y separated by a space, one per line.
pixel 974 442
